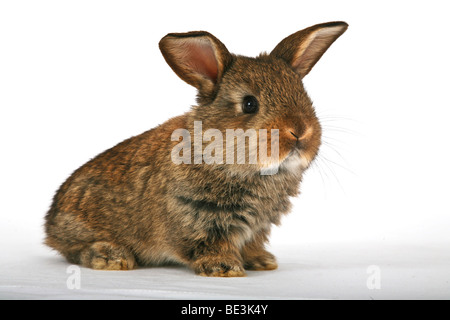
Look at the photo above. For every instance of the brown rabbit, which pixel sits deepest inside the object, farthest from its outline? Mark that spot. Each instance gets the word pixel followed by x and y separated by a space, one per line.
pixel 134 205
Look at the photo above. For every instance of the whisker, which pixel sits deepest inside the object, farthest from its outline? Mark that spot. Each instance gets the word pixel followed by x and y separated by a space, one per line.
pixel 332 171
pixel 330 123
pixel 322 172
pixel 332 147
pixel 327 137
pixel 330 159
pixel 345 168
pixel 326 127
pixel 324 116
pixel 332 119
pixel 319 169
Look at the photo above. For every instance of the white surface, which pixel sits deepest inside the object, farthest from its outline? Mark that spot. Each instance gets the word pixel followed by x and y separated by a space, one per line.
pixel 79 77
pixel 326 271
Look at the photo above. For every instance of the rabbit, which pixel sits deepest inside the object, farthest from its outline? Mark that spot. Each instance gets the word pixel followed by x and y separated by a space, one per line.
pixel 132 205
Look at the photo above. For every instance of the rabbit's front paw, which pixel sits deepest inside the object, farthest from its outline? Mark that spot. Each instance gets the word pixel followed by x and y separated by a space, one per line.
pixel 219 268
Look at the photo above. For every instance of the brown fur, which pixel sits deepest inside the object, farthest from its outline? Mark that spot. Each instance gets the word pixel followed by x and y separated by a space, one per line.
pixel 131 205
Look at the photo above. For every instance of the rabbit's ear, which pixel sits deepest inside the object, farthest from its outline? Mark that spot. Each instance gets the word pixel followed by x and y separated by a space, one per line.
pixel 197 57
pixel 304 48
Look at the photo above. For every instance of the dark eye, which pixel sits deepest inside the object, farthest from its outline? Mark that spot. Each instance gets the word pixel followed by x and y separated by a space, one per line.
pixel 250 104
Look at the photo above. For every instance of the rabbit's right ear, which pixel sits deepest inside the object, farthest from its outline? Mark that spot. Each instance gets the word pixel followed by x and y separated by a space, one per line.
pixel 304 48
pixel 197 57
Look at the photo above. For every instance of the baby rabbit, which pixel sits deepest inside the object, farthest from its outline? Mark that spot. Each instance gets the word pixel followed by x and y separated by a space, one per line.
pixel 137 204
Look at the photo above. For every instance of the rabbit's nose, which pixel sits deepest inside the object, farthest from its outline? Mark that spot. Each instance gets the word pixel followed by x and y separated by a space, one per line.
pixel 301 133
pixel 298 143
pixel 301 137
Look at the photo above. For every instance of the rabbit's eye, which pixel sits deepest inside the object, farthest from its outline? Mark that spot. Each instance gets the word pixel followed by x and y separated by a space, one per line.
pixel 250 104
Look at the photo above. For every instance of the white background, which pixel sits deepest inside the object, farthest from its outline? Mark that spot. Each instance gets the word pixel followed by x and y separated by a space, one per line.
pixel 77 77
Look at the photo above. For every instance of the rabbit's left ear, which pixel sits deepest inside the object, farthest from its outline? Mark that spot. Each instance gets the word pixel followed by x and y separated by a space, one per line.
pixel 197 57
pixel 304 48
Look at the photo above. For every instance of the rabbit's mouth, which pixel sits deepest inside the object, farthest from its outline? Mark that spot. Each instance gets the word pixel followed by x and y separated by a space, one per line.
pixel 296 160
